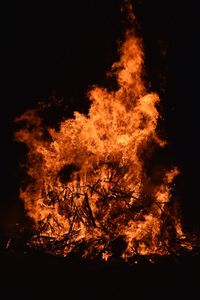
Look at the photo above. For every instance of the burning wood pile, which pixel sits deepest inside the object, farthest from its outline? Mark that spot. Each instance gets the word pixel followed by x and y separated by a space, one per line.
pixel 106 229
pixel 90 190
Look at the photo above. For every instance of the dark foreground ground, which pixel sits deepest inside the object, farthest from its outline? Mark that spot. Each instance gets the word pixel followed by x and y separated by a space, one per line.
pixel 43 275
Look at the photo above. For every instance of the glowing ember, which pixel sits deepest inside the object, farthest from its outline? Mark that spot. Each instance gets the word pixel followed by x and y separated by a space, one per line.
pixel 89 189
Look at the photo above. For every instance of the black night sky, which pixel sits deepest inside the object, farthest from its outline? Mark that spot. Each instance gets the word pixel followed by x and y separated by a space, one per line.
pixel 62 48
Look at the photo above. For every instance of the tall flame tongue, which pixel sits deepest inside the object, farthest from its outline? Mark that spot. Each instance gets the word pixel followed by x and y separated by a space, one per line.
pixel 90 191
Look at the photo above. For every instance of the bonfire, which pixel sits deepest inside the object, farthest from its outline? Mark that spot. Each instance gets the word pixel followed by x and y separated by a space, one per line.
pixel 90 190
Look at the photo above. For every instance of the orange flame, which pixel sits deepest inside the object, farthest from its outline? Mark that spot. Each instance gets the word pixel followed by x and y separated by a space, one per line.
pixel 89 184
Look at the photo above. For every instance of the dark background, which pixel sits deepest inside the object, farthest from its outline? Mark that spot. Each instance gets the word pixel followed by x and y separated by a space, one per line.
pixel 62 48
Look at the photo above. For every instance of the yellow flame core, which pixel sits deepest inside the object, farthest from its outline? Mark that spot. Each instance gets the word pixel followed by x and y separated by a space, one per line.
pixel 107 193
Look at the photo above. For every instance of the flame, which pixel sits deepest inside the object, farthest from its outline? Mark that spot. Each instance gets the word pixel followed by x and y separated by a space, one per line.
pixel 89 187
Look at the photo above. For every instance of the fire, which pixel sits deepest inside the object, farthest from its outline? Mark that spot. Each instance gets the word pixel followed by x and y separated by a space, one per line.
pixel 89 189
